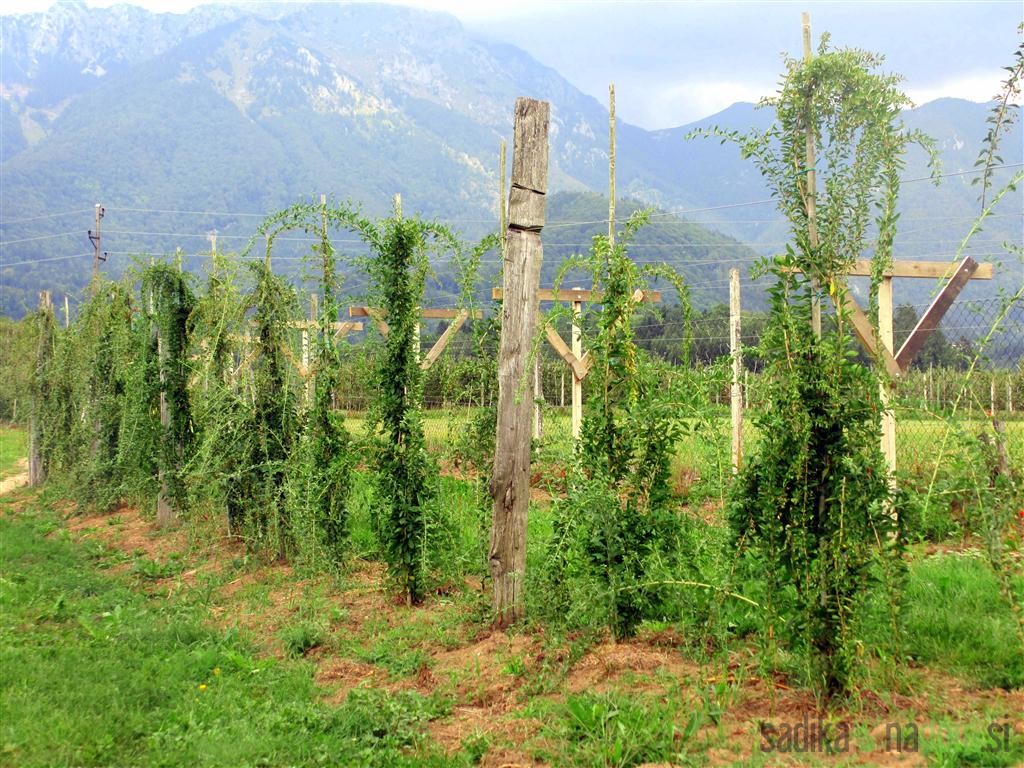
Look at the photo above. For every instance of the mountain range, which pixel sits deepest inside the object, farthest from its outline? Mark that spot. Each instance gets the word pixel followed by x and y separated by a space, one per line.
pixel 184 124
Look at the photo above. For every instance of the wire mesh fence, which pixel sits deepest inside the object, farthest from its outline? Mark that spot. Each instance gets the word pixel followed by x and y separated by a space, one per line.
pixel 969 372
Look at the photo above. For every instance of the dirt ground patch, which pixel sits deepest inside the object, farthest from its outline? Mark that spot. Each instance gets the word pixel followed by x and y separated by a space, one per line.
pixel 18 479
pixel 605 667
pixel 126 530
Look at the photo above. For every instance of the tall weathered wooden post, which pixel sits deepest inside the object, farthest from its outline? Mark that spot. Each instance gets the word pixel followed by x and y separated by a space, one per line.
pixel 523 254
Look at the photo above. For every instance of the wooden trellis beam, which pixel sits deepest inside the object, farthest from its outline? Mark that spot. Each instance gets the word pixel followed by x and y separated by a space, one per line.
pixel 442 343
pixel 457 316
pixel 341 329
pixel 896 365
pixel 930 320
pixel 578 294
pixel 576 358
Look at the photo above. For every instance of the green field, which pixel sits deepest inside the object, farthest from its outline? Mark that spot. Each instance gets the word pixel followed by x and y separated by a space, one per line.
pixel 703 453
pixel 13 448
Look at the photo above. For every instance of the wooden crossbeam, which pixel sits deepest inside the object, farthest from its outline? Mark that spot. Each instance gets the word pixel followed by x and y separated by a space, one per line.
pixel 908 268
pixel 345 326
pixel 864 330
pixel 374 314
pixel 577 294
pixel 450 314
pixel 897 365
pixel 428 313
pixel 580 366
pixel 933 315
pixel 442 342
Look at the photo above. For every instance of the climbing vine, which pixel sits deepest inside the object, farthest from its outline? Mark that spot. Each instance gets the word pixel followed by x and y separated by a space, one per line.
pixel 171 304
pixel 618 519
pixel 405 477
pixel 267 425
pixel 813 504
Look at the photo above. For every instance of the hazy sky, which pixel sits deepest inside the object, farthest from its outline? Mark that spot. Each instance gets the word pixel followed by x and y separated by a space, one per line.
pixel 674 62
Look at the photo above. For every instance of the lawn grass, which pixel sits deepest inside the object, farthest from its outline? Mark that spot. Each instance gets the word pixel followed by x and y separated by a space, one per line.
pixel 94 674
pixel 956 620
pixel 701 468
pixel 117 654
pixel 13 447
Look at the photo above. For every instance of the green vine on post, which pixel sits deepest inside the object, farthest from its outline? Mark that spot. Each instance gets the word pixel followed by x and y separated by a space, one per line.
pixel 405 477
pixel 813 503
pixel 172 304
pixel 618 520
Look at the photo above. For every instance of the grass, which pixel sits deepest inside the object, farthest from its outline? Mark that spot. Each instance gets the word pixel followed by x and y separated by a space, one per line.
pixel 94 674
pixel 702 462
pixel 112 656
pixel 957 621
pixel 13 447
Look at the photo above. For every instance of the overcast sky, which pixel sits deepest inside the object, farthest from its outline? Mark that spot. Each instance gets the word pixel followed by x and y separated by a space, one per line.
pixel 675 62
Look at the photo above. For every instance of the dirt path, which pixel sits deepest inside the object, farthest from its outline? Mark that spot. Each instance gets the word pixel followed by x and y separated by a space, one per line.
pixel 15 481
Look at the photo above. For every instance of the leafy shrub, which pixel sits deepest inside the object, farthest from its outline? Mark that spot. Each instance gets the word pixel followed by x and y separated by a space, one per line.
pixel 618 515
pixel 814 501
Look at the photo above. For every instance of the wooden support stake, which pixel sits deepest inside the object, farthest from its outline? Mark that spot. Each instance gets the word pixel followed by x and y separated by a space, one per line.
pixel 166 514
pixel 885 391
pixel 67 312
pixel 611 163
pixel 736 350
pixel 811 179
pixel 933 315
pixel 577 375
pixel 523 254
pixel 442 343
pixel 579 366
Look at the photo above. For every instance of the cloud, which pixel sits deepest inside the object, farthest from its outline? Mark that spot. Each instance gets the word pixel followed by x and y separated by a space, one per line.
pixel 974 87
pixel 686 102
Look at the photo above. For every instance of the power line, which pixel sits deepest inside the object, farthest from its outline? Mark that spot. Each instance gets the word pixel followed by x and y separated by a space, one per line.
pixel 44 216
pixel 39 237
pixel 50 258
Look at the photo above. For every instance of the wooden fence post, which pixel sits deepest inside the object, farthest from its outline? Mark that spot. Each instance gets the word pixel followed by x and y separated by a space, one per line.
pixel 736 350
pixel 811 180
pixel 577 382
pixel 886 337
pixel 165 512
pixel 510 482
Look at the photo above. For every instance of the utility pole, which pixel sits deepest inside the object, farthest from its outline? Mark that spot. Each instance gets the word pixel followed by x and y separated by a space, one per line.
pixel 94 237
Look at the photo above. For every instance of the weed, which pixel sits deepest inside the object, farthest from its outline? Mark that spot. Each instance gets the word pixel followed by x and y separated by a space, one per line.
pixel 300 638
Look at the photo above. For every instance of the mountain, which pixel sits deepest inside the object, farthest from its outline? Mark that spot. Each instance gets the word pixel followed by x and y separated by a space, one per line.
pixel 185 124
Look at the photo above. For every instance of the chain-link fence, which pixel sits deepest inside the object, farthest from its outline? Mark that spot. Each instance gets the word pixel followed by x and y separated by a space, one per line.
pixel 969 371
pixel 966 384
